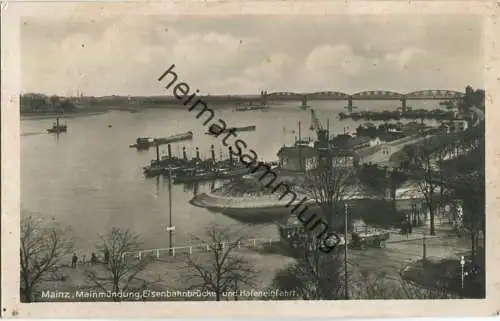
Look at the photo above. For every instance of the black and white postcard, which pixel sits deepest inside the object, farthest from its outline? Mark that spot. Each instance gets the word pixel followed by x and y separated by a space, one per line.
pixel 256 156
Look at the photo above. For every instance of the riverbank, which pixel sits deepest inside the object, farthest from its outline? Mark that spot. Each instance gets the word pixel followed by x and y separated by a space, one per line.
pixel 35 116
pixel 386 115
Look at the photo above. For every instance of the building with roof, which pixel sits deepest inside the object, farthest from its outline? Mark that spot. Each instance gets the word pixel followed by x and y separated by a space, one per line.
pixel 298 158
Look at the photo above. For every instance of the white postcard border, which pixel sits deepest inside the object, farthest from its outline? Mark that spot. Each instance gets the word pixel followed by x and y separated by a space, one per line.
pixel 10 155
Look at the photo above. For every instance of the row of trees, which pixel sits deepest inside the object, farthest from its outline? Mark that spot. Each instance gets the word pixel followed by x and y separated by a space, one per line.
pixel 44 103
pixel 473 98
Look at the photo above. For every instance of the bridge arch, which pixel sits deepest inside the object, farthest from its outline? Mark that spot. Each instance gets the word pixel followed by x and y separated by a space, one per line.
pixel 329 94
pixel 377 93
pixel 283 94
pixel 435 93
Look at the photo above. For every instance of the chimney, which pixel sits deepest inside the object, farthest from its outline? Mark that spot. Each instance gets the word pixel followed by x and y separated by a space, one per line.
pixel 184 155
pixel 197 154
pixel 169 150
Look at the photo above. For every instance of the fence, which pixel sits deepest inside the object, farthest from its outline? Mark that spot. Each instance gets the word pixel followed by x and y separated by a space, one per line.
pixel 199 248
pixel 188 250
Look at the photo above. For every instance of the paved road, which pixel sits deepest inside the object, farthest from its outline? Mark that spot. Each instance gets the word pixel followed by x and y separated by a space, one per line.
pixel 382 156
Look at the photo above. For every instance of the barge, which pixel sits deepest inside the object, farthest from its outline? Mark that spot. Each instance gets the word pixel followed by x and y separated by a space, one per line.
pixel 147 142
pixel 216 130
pixel 200 174
pixel 254 107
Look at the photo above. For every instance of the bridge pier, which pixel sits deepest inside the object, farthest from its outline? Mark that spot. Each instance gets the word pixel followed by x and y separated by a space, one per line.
pixel 350 105
pixel 263 97
pixel 404 107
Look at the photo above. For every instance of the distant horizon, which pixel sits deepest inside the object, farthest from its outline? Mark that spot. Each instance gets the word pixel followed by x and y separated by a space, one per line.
pixel 125 55
pixel 247 95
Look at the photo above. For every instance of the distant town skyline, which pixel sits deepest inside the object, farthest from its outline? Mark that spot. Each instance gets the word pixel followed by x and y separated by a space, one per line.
pixel 246 54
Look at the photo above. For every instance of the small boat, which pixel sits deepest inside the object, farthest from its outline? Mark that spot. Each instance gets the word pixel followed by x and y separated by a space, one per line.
pixel 109 126
pixel 304 104
pixel 57 127
pixel 216 129
pixel 143 143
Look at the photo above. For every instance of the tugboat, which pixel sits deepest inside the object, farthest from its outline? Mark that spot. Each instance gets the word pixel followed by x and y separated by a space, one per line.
pixel 58 128
pixel 143 143
pixel 304 103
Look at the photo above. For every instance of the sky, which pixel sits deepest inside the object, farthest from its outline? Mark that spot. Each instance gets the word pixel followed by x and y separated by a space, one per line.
pixel 125 55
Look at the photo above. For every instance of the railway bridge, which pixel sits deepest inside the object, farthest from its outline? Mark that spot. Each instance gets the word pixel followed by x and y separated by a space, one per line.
pixel 429 94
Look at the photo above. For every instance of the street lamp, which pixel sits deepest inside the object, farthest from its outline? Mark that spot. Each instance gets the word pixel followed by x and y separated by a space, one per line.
pixel 462 263
pixel 346 291
pixel 170 229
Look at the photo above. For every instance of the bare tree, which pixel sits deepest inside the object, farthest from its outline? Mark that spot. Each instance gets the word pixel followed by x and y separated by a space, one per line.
pixel 326 185
pixel 42 249
pixel 423 168
pixel 220 269
pixel 315 275
pixel 121 271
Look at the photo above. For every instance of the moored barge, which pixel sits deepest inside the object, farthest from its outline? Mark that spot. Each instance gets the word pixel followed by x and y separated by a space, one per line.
pixel 215 129
pixel 147 142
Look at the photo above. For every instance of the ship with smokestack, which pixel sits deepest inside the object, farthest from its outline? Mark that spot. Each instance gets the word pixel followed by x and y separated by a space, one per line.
pixel 250 198
pixel 57 127
pixel 183 170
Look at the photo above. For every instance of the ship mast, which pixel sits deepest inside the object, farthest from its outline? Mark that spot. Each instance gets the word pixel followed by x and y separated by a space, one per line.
pixel 300 148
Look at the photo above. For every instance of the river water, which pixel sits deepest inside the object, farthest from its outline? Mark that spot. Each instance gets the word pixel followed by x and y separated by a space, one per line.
pixel 89 178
